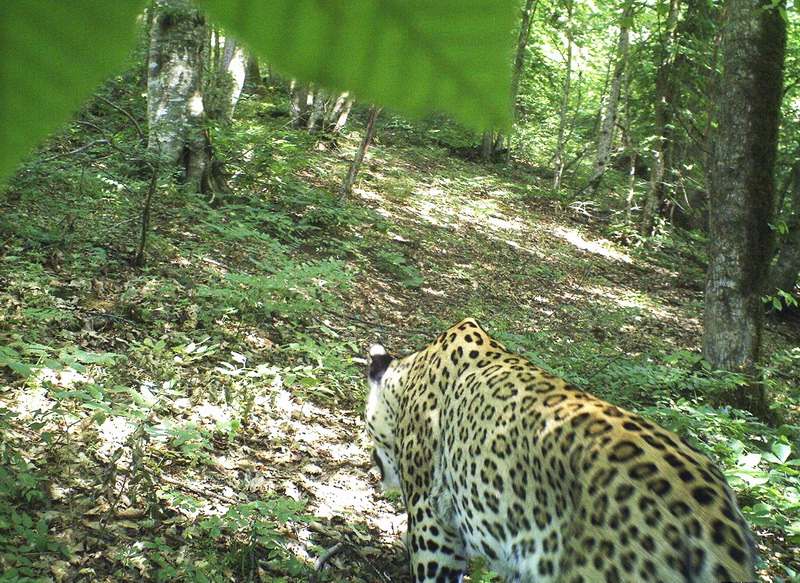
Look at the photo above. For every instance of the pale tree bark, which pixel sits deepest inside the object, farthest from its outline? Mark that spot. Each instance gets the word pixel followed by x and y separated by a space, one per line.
pixel 743 191
pixel 662 144
pixel 487 145
pixel 358 159
pixel 336 117
pixel 229 80
pixel 315 110
pixel 298 103
pixel 609 117
pixel 176 112
pixel 562 123
pixel 628 147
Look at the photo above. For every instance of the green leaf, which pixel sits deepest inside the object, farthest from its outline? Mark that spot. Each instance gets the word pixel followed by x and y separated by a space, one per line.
pixel 54 54
pixel 782 451
pixel 21 368
pixel 411 55
pixel 417 56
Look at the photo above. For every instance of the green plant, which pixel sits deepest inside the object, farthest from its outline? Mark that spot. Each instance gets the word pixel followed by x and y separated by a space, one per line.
pixel 24 530
pixel 780 300
pixel 394 263
pixel 251 531
pixel 285 288
pixel 329 368
pixel 479 573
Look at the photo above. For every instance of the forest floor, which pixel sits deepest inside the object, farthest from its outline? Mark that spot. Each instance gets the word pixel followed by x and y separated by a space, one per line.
pixel 169 422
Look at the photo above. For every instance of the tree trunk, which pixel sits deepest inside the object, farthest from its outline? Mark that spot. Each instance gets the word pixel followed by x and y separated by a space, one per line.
pixel 317 111
pixel 786 268
pixel 175 90
pixel 231 74
pixel 336 118
pixel 522 46
pixel 298 103
pixel 487 145
pixel 253 82
pixel 355 165
pixel 662 146
pixel 743 191
pixel 562 123
pixel 316 108
pixel 609 116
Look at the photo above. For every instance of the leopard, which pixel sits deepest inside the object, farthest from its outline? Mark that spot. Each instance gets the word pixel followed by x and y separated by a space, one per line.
pixel 499 459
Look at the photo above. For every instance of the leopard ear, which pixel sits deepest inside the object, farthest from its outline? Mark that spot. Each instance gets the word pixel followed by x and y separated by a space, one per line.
pixel 379 361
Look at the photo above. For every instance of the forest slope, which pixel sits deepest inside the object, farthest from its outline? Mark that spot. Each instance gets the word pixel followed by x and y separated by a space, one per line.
pixel 199 418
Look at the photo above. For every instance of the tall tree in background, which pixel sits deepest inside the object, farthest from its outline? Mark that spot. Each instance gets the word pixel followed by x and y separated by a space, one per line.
pixel 358 157
pixel 743 189
pixel 786 268
pixel 609 113
pixel 318 110
pixel 182 98
pixel 227 75
pixel 492 141
pixel 559 162
pixel 665 84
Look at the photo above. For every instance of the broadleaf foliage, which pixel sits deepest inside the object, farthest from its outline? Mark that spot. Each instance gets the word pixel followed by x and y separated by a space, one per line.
pixel 54 54
pixel 414 56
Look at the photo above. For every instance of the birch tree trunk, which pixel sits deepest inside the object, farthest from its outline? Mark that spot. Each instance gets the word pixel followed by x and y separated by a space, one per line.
pixel 487 145
pixel 298 103
pixel 743 191
pixel 608 122
pixel 562 123
pixel 176 113
pixel 336 118
pixel 318 111
pixel 358 159
pixel 662 145
pixel 232 72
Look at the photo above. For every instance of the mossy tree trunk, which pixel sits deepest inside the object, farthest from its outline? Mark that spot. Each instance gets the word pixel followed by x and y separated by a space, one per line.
pixel 743 191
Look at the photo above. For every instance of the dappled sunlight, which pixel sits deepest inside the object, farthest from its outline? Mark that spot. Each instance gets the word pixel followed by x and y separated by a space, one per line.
pixel 628 299
pixel 441 206
pixel 525 248
pixel 601 247
pixel 37 397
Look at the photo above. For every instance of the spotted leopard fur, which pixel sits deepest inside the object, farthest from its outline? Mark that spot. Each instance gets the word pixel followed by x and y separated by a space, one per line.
pixel 499 458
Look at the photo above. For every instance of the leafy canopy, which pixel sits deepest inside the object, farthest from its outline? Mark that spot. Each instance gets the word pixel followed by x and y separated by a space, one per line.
pixel 415 56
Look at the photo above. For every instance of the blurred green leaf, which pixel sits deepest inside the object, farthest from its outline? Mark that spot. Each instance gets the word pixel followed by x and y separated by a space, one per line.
pixel 54 54
pixel 414 56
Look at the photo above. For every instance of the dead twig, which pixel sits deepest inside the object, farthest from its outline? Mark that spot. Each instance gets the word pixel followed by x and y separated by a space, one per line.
pixel 126 114
pixel 76 150
pixel 327 555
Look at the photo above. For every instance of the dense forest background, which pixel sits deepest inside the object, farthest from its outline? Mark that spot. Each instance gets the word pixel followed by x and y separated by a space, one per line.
pixel 192 267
